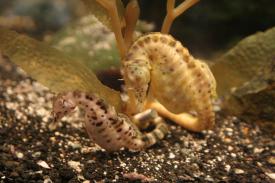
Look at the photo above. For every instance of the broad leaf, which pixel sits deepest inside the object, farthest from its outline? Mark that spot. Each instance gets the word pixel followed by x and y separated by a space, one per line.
pixel 244 61
pixel 249 69
pixel 52 68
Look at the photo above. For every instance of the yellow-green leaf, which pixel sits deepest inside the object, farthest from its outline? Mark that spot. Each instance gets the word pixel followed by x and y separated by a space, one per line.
pixel 244 61
pixel 52 68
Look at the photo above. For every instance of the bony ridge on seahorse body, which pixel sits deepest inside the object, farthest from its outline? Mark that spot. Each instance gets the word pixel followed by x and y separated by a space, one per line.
pixel 157 65
pixel 108 129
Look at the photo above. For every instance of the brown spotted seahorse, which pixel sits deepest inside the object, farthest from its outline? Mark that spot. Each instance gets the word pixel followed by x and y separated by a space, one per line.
pixel 108 129
pixel 158 66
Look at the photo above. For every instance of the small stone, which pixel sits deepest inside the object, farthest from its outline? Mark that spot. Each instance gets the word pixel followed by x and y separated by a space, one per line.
pixel 271 160
pixel 36 154
pixel 229 129
pixel 75 165
pixel 52 139
pixel 209 178
pixel 74 145
pixel 216 108
pixel 258 150
pixel 259 164
pixel 245 131
pixel 238 171
pixel 230 148
pixel 227 168
pixel 43 164
pixel 48 180
pixel 19 155
pixel 134 176
pixel 249 146
pixel 186 178
pixel 86 150
pixel 247 141
pixel 227 140
pixel 171 156
pixel 271 175
pixel 233 155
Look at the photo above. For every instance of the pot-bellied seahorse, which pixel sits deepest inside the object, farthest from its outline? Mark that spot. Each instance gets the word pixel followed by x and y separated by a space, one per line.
pixel 108 129
pixel 158 66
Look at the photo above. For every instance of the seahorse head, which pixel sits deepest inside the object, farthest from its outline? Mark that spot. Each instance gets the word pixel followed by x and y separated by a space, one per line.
pixel 63 104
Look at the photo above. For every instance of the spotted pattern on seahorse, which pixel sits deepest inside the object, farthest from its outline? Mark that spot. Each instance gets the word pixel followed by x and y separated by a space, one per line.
pixel 159 65
pixel 108 129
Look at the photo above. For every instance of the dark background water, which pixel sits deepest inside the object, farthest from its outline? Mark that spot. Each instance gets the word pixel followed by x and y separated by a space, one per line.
pixel 213 25
pixel 210 27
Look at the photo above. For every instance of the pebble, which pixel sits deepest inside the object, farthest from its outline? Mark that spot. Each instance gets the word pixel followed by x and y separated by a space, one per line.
pixel 216 108
pixel 19 155
pixel 233 155
pixel 75 165
pixel 258 150
pixel 227 140
pixel 43 164
pixel 52 139
pixel 229 129
pixel 238 171
pixel 271 175
pixel 271 160
pixel 227 168
pixel 86 150
pixel 230 148
pixel 209 178
pixel 245 130
pixel 36 154
pixel 48 180
pixel 172 155
pixel 74 145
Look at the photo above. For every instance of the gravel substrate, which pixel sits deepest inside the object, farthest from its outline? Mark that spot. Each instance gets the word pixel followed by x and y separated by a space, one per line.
pixel 234 151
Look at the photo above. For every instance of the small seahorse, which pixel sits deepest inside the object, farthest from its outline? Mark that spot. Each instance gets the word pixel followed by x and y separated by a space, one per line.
pixel 108 129
pixel 157 65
